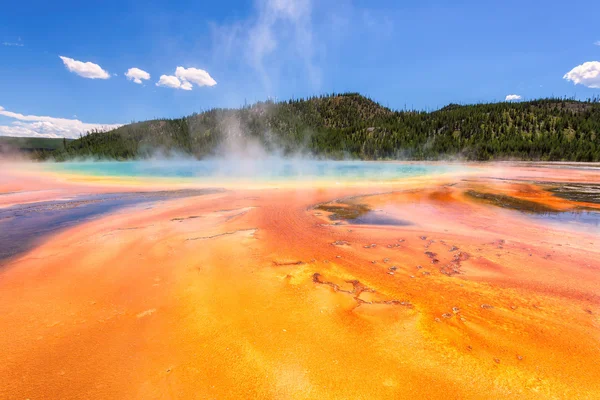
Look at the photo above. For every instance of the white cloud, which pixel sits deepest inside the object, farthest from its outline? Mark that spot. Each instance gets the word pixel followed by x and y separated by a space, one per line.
pixel 513 97
pixel 136 75
pixel 85 69
pixel 184 77
pixel 169 81
pixel 173 82
pixel 597 43
pixel 40 126
pixel 586 74
pixel 192 75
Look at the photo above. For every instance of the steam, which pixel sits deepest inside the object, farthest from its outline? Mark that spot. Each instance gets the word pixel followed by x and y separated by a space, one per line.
pixel 273 169
pixel 242 155
pixel 278 34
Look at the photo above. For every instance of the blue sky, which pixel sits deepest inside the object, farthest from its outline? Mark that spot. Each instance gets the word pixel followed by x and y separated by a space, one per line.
pixel 415 54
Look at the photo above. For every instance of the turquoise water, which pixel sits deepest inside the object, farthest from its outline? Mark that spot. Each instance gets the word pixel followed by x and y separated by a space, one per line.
pixel 267 169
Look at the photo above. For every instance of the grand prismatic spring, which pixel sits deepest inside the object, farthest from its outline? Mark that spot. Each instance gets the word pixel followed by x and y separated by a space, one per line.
pixel 297 280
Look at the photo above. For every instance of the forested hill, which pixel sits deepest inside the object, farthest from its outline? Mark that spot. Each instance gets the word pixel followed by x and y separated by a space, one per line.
pixel 29 145
pixel 351 125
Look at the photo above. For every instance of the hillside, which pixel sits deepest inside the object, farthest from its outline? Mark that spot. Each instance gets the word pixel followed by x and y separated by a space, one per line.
pixel 38 147
pixel 351 125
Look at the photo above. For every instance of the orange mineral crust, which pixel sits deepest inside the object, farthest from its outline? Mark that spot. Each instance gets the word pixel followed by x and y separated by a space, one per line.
pixel 454 287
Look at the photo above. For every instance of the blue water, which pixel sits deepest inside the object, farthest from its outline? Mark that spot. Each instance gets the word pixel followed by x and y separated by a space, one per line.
pixel 266 169
pixel 575 219
pixel 23 225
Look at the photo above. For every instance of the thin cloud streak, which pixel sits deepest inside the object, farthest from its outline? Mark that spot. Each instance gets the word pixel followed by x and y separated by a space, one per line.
pixel 12 44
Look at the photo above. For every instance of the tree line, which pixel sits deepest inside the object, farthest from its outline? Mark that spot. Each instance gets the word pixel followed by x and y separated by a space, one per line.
pixel 351 125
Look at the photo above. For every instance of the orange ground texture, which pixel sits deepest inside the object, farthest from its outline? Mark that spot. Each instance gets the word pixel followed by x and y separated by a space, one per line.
pixel 256 293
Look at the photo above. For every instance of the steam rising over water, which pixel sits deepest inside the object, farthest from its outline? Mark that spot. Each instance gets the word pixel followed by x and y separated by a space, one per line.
pixel 270 168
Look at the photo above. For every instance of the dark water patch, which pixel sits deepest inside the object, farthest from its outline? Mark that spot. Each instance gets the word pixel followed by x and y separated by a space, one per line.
pixel 360 214
pixel 582 217
pixel 23 226
pixel 580 192
pixel 379 218
pixel 344 211
pixel 577 217
pixel 509 202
